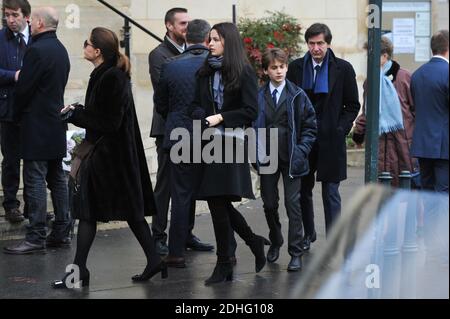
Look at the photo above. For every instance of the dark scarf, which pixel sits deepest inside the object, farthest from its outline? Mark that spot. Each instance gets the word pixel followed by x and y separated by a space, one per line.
pixel 218 87
pixel 321 77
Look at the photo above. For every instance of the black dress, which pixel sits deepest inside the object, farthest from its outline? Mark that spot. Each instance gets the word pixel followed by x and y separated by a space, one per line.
pixel 119 185
pixel 231 181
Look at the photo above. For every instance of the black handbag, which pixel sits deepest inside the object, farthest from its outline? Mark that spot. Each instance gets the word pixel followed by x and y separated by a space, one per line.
pixel 78 180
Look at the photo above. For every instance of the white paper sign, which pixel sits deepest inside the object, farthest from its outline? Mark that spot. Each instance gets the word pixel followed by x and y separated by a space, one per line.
pixel 423 24
pixel 422 49
pixel 406 6
pixel 403 30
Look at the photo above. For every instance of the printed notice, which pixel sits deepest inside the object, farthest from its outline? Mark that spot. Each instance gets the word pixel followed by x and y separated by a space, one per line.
pixel 404 30
pixel 423 24
pixel 422 49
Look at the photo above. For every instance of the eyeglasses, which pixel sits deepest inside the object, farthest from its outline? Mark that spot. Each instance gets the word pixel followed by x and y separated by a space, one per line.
pixel 86 44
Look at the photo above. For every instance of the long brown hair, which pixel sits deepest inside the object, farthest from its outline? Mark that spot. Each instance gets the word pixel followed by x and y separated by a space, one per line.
pixel 108 43
pixel 234 57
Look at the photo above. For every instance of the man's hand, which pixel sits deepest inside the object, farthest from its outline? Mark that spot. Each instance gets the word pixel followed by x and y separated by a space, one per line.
pixel 16 77
pixel 214 120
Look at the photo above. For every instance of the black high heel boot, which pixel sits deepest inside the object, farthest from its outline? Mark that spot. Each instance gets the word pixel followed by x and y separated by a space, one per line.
pixel 257 247
pixel 149 273
pixel 83 281
pixel 222 272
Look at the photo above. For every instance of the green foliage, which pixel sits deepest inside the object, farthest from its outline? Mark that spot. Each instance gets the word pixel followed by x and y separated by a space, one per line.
pixel 276 30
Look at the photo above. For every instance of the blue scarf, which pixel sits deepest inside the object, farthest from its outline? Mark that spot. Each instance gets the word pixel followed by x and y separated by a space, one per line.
pixel 321 77
pixel 391 118
pixel 218 87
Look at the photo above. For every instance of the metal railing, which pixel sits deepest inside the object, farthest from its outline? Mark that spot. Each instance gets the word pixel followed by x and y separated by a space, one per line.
pixel 125 43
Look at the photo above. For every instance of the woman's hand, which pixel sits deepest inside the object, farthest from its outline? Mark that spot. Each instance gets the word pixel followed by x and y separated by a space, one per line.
pixel 214 120
pixel 67 108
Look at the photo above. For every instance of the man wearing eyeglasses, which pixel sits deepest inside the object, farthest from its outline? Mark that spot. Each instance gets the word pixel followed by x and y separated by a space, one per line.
pixel 330 84
pixel 14 40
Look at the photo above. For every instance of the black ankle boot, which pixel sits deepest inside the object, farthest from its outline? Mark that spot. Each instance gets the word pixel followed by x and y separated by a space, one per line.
pixel 257 247
pixel 222 272
pixel 150 272
pixel 83 281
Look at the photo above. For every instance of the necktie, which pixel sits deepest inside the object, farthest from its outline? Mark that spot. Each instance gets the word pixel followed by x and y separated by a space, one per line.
pixel 274 97
pixel 22 46
pixel 317 69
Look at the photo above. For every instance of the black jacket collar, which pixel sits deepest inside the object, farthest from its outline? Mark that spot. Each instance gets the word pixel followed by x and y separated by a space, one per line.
pixel 44 35
pixel 196 49
pixel 170 46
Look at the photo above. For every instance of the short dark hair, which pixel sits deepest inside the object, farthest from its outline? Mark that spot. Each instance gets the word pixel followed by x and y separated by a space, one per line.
pixel 439 42
pixel 170 15
pixel 387 47
pixel 197 31
pixel 317 29
pixel 272 54
pixel 24 5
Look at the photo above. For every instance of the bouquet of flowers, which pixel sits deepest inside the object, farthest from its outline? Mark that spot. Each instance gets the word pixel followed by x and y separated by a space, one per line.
pixel 74 138
pixel 277 30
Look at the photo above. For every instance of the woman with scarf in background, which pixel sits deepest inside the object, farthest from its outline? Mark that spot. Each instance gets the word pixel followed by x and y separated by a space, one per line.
pixel 396 117
pixel 226 97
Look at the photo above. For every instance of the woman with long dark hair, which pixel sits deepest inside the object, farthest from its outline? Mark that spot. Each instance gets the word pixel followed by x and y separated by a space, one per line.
pixel 226 97
pixel 115 180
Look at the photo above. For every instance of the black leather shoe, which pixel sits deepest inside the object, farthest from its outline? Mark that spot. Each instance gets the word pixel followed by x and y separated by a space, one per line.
pixel 222 272
pixel 55 243
pixel 306 245
pixel 63 283
pixel 295 264
pixel 194 243
pixel 161 248
pixel 273 253
pixel 14 215
pixel 24 248
pixel 175 262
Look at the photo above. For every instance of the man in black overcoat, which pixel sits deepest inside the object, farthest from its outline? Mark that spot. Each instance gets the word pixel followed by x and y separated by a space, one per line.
pixel 39 97
pixel 330 84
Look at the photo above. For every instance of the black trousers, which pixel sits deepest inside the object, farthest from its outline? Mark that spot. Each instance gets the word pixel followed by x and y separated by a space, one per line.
pixel 270 197
pixel 162 195
pixel 434 174
pixel 10 147
pixel 330 197
pixel 227 219
pixel 183 183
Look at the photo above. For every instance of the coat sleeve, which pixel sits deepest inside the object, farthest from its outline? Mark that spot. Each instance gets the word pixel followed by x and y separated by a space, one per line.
pixel 7 77
pixel 308 126
pixel 31 74
pixel 248 110
pixel 155 60
pixel 351 105
pixel 196 111
pixel 161 98
pixel 107 113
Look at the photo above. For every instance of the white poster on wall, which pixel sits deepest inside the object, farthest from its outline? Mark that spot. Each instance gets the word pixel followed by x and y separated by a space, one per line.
pixel 403 34
pixel 422 53
pixel 423 24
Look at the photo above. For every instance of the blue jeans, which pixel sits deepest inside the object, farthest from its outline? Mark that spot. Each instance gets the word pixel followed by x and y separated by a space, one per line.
pixel 38 175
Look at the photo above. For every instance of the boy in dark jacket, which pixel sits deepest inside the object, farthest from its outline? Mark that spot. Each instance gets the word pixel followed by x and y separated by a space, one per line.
pixel 286 108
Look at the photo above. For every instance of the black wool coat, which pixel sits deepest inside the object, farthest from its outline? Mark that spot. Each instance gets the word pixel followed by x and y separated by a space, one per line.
pixel 339 109
pixel 240 109
pixel 119 182
pixel 39 97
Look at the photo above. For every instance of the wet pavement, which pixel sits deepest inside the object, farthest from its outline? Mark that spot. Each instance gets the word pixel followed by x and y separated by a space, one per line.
pixel 116 256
